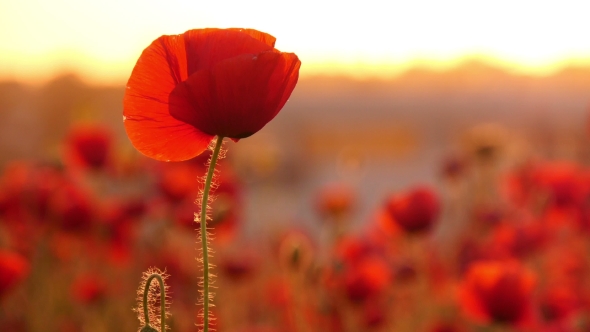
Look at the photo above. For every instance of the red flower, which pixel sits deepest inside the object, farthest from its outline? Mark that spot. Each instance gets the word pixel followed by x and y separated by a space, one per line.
pixel 13 269
pixel 414 211
pixel 88 289
pixel 366 279
pixel 498 292
pixel 238 267
pixel 335 201
pixel 559 302
pixel 185 89
pixel 562 181
pixel 72 208
pixel 89 146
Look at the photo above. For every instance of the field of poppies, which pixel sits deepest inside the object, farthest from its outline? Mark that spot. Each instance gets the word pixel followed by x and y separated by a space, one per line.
pixel 493 246
pixel 499 242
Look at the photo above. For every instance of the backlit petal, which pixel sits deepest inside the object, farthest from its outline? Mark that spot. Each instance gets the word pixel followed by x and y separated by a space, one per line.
pixel 238 96
pixel 206 47
pixel 148 123
pixel 258 35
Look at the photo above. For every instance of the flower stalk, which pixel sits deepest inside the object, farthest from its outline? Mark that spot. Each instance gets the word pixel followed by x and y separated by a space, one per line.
pixel 207 297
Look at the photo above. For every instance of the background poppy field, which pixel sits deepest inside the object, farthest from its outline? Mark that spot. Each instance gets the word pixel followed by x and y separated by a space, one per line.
pixel 455 201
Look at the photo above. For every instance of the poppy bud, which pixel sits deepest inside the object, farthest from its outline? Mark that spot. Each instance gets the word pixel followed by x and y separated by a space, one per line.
pixel 151 295
pixel 295 253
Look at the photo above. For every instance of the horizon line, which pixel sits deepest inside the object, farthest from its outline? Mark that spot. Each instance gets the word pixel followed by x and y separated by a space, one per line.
pixel 352 69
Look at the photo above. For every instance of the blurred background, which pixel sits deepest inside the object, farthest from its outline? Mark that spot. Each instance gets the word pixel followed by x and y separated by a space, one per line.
pixel 429 172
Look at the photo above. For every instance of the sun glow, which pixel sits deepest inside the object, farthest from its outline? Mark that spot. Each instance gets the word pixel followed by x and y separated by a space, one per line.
pixel 103 40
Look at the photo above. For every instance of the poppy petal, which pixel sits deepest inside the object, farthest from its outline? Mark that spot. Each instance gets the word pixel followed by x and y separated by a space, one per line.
pixel 258 35
pixel 148 123
pixel 238 96
pixel 206 47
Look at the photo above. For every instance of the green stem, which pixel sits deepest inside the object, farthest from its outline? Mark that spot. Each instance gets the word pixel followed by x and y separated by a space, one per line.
pixel 162 301
pixel 203 220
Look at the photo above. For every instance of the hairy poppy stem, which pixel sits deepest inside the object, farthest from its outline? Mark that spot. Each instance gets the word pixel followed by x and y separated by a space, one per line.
pixel 204 242
pixel 162 302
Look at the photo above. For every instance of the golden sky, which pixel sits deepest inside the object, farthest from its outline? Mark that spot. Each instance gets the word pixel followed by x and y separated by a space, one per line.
pixel 103 39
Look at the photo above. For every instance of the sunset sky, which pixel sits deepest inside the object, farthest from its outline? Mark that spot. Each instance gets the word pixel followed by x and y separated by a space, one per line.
pixel 102 39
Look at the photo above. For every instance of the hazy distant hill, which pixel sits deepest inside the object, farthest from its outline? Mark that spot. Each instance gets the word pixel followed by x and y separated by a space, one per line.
pixel 435 104
pixel 470 93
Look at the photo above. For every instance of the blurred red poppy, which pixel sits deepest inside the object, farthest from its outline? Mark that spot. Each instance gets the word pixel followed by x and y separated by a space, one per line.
pixel 176 181
pixel 414 211
pixel 335 201
pixel 88 146
pixel 185 89
pixel 368 278
pixel 88 289
pixel 72 208
pixel 239 266
pixel 562 182
pixel 499 292
pixel 13 269
pixel 559 302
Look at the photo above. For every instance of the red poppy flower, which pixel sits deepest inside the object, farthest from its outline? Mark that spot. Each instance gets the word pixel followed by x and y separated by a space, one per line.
pixel 185 89
pixel 415 211
pixel 562 181
pixel 239 266
pixel 366 279
pixel 88 289
pixel 88 146
pixel 72 208
pixel 13 269
pixel 335 201
pixel 498 292
pixel 559 302
pixel 176 181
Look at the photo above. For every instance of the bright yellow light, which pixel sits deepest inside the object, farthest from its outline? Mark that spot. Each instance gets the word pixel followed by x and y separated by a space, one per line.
pixel 103 39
